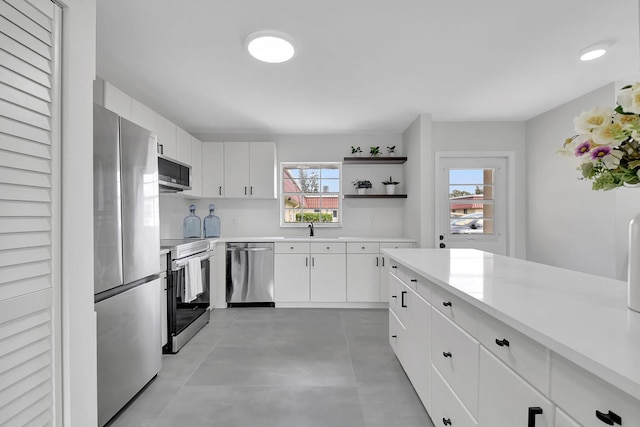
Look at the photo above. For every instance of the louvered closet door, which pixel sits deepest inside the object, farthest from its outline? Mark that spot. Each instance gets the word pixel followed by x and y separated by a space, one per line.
pixel 29 188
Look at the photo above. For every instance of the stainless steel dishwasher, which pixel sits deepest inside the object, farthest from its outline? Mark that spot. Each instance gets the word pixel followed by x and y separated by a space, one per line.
pixel 250 274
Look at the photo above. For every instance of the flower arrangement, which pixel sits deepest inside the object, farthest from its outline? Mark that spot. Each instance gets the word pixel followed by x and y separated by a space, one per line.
pixel 391 150
pixel 607 143
pixel 355 150
pixel 374 151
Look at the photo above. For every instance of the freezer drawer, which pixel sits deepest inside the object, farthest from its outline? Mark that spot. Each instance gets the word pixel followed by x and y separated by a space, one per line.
pixel 129 346
pixel 250 273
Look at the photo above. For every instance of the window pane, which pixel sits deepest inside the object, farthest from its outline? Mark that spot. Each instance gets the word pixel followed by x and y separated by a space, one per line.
pixel 330 185
pixel 330 173
pixel 292 200
pixel 290 215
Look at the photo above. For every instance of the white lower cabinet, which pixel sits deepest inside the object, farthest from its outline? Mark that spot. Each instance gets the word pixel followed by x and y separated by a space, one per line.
pixel 328 278
pixel 446 408
pixel 506 400
pixel 397 336
pixel 417 356
pixel 564 420
pixel 363 272
pixel 589 400
pixel 291 277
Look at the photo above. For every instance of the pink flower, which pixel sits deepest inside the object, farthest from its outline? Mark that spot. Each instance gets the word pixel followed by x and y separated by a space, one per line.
pixel 583 148
pixel 601 152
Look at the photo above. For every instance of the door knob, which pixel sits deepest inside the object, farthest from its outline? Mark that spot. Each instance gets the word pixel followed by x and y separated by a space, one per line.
pixel 441 237
pixel 442 246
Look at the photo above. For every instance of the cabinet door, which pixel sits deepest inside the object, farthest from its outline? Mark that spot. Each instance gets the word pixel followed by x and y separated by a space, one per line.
pixel 183 149
pixel 117 101
pixel 506 400
pixel 167 137
pixel 385 269
pixel 213 169
pixel 236 169
pixel 418 338
pixel 196 169
pixel 446 407
pixel 363 278
pixel 144 116
pixel 328 278
pixel 263 170
pixel 291 277
pixel 163 310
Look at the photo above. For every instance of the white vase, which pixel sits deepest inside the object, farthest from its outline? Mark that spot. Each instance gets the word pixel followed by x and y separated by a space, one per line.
pixel 362 191
pixel 391 188
pixel 633 281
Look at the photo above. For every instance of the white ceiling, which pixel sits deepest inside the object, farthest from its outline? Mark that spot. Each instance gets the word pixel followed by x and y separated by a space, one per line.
pixel 360 65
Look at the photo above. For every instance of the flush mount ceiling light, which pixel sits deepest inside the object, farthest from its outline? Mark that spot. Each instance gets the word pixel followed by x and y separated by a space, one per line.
pixel 593 52
pixel 269 46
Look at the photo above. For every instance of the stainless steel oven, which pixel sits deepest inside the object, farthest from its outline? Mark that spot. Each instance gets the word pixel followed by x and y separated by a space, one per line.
pixel 185 318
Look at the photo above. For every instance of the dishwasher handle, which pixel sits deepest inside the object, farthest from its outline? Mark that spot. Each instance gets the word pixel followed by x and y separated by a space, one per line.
pixel 248 249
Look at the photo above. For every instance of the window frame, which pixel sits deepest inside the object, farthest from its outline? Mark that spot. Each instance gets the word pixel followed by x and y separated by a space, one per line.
pixel 309 165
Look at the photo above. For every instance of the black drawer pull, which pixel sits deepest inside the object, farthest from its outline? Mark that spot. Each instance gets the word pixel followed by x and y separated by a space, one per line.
pixel 394 296
pixel 610 419
pixel 446 421
pixel 447 354
pixel 394 336
pixel 394 266
pixel 414 280
pixel 503 342
pixel 447 303
pixel 402 303
pixel 533 411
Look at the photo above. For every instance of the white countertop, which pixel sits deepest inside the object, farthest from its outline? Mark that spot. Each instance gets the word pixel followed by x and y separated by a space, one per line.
pixel 315 239
pixel 579 316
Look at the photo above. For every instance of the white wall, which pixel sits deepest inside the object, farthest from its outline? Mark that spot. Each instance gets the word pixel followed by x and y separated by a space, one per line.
pixel 361 217
pixel 78 317
pixel 490 136
pixel 570 225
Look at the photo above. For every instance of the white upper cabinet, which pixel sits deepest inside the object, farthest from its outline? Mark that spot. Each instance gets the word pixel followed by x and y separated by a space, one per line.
pixel 183 150
pixel 213 169
pixel 250 170
pixel 196 169
pixel 116 100
pixel 167 138
pixel 144 116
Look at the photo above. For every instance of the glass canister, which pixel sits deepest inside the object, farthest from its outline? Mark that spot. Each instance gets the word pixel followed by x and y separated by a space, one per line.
pixel 192 223
pixel 211 226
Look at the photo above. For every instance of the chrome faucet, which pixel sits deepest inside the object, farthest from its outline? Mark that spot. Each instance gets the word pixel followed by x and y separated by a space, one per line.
pixel 310 229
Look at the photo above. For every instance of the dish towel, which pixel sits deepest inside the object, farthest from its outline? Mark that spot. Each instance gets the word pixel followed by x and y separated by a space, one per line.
pixel 193 276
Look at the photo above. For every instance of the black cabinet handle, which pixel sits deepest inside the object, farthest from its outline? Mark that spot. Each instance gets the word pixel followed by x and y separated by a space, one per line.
pixel 394 296
pixel 377 262
pixel 447 354
pixel 219 191
pixel 503 342
pixel 610 418
pixel 533 411
pixel 251 190
pixel 394 336
pixel 446 421
pixel 394 266
pixel 447 303
pixel 402 303
pixel 414 280
pixel 382 261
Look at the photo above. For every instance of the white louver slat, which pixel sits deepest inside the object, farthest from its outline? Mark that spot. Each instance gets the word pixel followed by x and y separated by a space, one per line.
pixel 28 91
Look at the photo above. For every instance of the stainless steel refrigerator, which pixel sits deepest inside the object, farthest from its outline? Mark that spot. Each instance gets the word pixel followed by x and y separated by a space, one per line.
pixel 126 258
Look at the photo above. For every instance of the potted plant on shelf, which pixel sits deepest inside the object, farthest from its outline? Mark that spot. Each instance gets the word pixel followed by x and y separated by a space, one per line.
pixel 355 151
pixel 391 151
pixel 390 185
pixel 374 151
pixel 362 186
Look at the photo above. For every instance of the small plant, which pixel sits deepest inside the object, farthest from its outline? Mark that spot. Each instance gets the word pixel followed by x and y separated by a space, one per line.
pixel 355 150
pixel 391 182
pixel 391 150
pixel 362 184
pixel 374 151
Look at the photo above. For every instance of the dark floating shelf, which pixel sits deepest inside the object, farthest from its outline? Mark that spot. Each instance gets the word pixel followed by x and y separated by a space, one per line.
pixel 375 160
pixel 375 196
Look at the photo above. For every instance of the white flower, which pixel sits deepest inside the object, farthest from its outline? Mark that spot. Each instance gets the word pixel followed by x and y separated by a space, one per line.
pixel 629 99
pixel 591 121
pixel 612 160
pixel 609 134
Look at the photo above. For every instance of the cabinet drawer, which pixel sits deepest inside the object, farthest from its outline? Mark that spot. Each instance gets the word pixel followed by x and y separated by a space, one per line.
pixel 395 245
pixel 581 394
pixel 446 408
pixel 292 248
pixel 363 248
pixel 396 335
pixel 564 420
pixel 455 354
pixel 506 400
pixel 397 295
pixel 520 353
pixel 400 271
pixel 461 312
pixel 328 248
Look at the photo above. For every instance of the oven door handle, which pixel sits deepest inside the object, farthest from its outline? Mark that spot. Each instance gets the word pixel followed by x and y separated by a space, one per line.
pixel 248 249
pixel 178 264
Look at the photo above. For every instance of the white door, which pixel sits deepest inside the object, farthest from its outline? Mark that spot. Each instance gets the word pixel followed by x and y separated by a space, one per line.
pixel 262 170
pixel 236 169
pixel 471 202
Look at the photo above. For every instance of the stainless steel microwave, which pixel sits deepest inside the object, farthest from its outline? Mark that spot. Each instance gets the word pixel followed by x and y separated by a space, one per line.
pixel 173 176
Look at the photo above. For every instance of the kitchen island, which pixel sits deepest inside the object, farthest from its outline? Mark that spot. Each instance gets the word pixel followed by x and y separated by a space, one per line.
pixel 546 338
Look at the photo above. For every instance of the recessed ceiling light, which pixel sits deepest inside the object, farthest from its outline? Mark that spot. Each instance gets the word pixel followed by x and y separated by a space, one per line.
pixel 593 52
pixel 269 46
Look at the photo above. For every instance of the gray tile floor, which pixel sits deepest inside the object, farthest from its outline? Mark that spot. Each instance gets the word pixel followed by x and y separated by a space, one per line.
pixel 254 367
